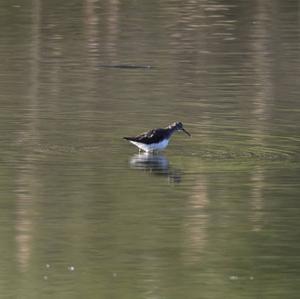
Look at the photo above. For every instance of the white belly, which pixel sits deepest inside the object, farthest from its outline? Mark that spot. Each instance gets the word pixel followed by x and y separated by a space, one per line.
pixel 151 147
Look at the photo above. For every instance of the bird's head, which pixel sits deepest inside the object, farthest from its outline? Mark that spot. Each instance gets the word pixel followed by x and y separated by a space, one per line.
pixel 178 126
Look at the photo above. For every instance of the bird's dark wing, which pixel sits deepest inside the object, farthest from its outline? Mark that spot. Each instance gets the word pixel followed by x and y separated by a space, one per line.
pixel 153 136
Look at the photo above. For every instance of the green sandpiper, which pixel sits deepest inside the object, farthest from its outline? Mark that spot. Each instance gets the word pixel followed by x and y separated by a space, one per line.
pixel 156 139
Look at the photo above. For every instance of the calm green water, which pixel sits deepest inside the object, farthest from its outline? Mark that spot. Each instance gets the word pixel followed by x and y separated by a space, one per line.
pixel 216 215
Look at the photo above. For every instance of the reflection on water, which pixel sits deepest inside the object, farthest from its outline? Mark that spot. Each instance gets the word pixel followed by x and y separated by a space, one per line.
pixel 195 226
pixel 155 164
pixel 257 202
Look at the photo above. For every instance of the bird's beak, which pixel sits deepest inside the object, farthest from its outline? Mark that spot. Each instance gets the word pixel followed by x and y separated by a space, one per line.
pixel 186 132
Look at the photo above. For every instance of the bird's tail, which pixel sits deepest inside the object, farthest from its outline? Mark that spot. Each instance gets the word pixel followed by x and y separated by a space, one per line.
pixel 128 138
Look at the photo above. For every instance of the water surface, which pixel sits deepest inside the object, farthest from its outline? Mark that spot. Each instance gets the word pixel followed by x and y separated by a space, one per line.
pixel 214 216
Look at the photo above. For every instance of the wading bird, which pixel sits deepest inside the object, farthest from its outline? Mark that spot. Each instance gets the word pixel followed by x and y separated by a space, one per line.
pixel 156 139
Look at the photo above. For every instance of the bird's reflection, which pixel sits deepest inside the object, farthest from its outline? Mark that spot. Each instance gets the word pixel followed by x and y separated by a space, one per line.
pixel 155 164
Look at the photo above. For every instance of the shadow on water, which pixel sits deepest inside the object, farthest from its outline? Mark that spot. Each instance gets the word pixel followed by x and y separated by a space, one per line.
pixel 155 165
pixel 126 66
